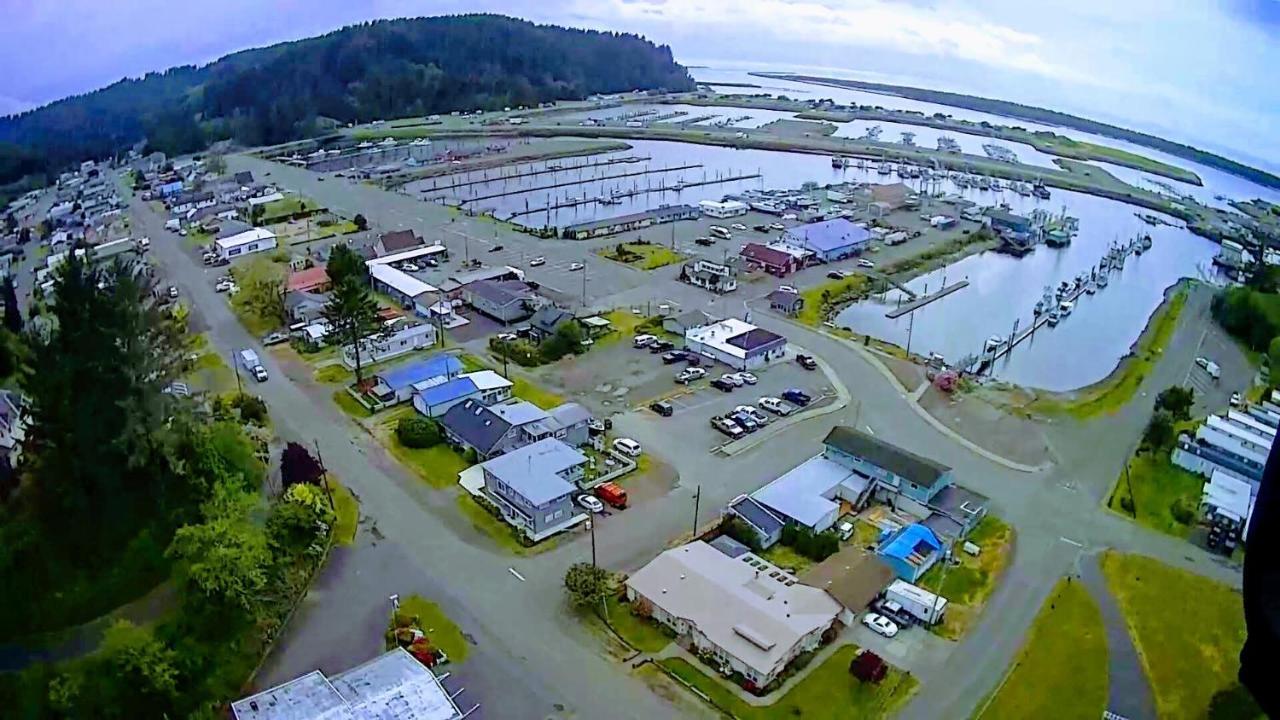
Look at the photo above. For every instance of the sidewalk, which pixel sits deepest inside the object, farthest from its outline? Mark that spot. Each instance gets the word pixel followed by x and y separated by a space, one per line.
pixel 1129 693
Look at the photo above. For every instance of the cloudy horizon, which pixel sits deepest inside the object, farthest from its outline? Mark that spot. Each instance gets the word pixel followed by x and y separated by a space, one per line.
pixel 1195 73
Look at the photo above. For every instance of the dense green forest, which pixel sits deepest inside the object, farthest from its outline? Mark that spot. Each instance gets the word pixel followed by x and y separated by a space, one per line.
pixel 364 72
pixel 1049 117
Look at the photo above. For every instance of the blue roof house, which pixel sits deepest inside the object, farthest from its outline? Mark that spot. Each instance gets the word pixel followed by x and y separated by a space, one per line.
pixel 400 383
pixel 911 551
pixel 829 240
pixel 533 487
pixel 436 400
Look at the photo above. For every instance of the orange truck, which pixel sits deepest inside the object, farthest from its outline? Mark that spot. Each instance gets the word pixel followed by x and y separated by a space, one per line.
pixel 612 494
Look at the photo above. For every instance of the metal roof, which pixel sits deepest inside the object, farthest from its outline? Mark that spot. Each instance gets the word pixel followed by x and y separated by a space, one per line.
pixel 402 376
pixel 458 387
pixel 829 234
pixel 533 471
pixel 802 493
pixel 903 463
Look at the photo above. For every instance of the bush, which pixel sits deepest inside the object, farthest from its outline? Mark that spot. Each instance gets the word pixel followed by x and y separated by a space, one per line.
pixel 1126 504
pixel 1182 511
pixel 817 547
pixel 737 529
pixel 417 432
pixel 253 409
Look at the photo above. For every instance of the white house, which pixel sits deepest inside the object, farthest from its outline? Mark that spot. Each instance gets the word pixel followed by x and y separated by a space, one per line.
pixel 376 349
pixel 752 617
pixel 249 241
pixel 407 290
pixel 727 209
pixel 264 199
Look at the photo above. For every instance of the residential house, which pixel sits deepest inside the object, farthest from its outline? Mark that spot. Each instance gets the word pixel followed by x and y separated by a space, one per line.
pixel 391 344
pixel 634 221
pixel 738 344
pixel 687 320
pixel 746 614
pixel 763 523
pixel 533 487
pixel 312 280
pixel 13 426
pixel 911 551
pixel 485 386
pixel 546 321
pixel 771 260
pixel 786 302
pixel 397 241
pixel 495 430
pixel 902 479
pixel 812 494
pixel 303 307
pixel 456 285
pixel 244 179
pixel 394 684
pixel 245 243
pixel 506 301
pixel 719 278
pixel 830 240
pixel 573 420
pixel 180 204
pixel 853 577
pixel 402 382
pixel 410 292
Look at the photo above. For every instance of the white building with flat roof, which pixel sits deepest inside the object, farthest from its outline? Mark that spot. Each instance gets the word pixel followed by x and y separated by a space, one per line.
pixel 245 243
pixel 738 344
pixel 726 209
pixel 748 614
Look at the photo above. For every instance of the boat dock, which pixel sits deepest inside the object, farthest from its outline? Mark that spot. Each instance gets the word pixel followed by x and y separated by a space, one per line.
pixel 568 183
pixel 550 168
pixel 631 193
pixel 918 302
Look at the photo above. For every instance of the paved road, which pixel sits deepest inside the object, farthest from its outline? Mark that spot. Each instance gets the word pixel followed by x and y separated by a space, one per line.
pixel 519 624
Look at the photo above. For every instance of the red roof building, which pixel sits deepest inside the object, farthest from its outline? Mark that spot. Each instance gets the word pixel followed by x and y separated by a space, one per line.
pixel 312 280
pixel 772 261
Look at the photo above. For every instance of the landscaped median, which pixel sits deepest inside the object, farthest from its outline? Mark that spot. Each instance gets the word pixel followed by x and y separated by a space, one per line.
pixel 1061 671
pixel 641 254
pixel 968 584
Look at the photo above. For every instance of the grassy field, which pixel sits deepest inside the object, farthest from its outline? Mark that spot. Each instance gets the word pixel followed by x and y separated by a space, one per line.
pixel 641 633
pixel 1066 147
pixel 1188 631
pixel 787 559
pixel 1061 672
pixel 1110 394
pixel 284 207
pixel 643 256
pixel 348 510
pixel 350 405
pixel 438 465
pixel 1158 485
pixel 829 692
pixel 334 373
pixel 440 630
pixel 499 531
pixel 534 393
pixel 968 585
pixel 821 298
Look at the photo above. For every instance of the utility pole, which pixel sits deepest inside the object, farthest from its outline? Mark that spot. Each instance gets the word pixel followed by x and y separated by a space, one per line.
pixel 235 365
pixel 911 324
pixel 591 523
pixel 697 499
pixel 584 285
pixel 324 475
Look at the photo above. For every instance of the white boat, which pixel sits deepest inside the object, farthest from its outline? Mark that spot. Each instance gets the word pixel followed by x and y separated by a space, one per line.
pixel 995 342
pixel 1053 317
pixel 1064 308
pixel 884 169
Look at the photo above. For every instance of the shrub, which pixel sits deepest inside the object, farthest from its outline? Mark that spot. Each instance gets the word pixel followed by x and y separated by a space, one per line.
pixel 253 409
pixel 1182 511
pixel 417 432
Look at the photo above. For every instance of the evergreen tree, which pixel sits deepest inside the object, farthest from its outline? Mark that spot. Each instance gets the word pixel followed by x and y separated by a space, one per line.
pixel 352 314
pixel 12 314
pixel 345 263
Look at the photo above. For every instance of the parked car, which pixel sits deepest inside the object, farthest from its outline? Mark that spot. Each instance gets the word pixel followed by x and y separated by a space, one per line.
pixel 726 427
pixel 223 285
pixel 839 274
pixel 537 261
pixel 747 377
pixel 660 346
pixel 788 289
pixel 627 446
pixel 275 338
pixel 788 216
pixel 410 267
pixel 753 413
pixel 663 408
pixel 739 227
pixel 807 362
pixel 590 504
pixel 690 374
pixel 496 248
pixel 173 292
pixel 776 406
pixel 744 421
pixel 613 494
pixel 693 359
pixel 576 266
pixel 674 356
pixel 1236 399
pixel 880 624
pixel 777 226
pixel 704 241
pixel 894 612
pixel 722 385
pixel 863 262
pixel 760 228
pixel 733 379
pixel 642 341
pixel 796 396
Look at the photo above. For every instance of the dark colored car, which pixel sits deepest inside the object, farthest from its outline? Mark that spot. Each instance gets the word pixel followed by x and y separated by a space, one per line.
pixel 659 346
pixel 797 397
pixel 662 407
pixel 496 248
pixel 722 385
pixel 807 362
pixel 744 421
pixel 674 356
pixel 692 359
pixel 704 241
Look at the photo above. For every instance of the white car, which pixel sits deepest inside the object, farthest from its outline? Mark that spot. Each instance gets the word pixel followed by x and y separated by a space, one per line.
pixel 732 379
pixel 537 261
pixel 739 227
pixel 688 375
pixel 1236 399
pixel 590 504
pixel 789 216
pixel 776 406
pixel 410 267
pixel 223 285
pixel 641 341
pixel 863 262
pixel 747 377
pixel 753 413
pixel 880 624
pixel 788 289
pixel 627 446
pixel 576 266
pixel 777 226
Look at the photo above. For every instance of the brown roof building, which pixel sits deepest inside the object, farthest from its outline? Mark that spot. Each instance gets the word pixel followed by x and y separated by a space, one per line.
pixel 851 576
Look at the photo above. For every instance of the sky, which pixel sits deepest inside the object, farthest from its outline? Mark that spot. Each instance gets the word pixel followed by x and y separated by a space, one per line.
pixel 1190 70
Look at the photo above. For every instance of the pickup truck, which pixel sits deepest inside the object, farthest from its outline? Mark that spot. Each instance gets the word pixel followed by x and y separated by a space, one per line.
pixel 250 362
pixel 726 427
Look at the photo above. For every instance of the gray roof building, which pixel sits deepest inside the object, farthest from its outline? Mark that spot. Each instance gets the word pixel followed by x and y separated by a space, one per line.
pixel 920 470
pixel 534 471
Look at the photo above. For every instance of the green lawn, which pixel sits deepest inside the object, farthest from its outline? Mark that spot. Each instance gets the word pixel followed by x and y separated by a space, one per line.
pixel 438 465
pixel 1066 147
pixel 1061 671
pixel 499 531
pixel 1157 487
pixel 828 693
pixel 967 586
pixel 348 511
pixel 278 209
pixel 212 374
pixel 1119 387
pixel 334 373
pixel 534 393
pixel 787 559
pixel 825 296
pixel 440 630
pixel 641 633
pixel 1188 631
pixel 643 256
pixel 350 405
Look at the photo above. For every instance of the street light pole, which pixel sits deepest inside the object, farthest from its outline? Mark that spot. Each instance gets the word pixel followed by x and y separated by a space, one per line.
pixel 591 524
pixel 697 500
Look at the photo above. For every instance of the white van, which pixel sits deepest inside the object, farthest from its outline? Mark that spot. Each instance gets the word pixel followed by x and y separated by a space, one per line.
pixel 721 232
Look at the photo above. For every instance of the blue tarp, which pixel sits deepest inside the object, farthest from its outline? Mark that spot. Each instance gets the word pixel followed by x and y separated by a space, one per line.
pixel 906 542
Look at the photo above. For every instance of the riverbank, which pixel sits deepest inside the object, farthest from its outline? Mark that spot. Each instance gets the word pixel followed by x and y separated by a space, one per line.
pixel 1042 115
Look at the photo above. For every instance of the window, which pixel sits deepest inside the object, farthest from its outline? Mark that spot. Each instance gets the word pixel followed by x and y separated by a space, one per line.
pixel 548 518
pixel 559 514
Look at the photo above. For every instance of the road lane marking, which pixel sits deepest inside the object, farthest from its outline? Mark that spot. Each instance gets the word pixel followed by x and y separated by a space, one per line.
pixel 518 575
pixel 1069 541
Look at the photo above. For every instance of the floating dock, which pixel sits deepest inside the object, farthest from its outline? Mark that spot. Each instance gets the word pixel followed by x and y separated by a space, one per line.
pixel 570 183
pixel 921 301
pixel 633 193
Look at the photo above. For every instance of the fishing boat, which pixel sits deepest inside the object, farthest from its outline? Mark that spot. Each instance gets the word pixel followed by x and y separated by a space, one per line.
pixel 984 183
pixel 1040 191
pixel 884 169
pixel 1090 287
pixel 1145 242
pixel 1053 317
pixel 1065 307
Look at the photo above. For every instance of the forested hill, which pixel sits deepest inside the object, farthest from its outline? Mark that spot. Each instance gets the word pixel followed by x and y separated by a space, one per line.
pixel 1048 117
pixel 364 72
